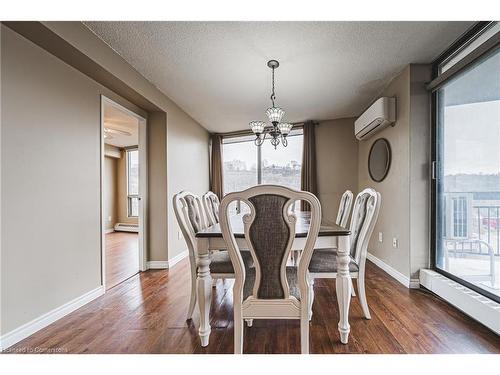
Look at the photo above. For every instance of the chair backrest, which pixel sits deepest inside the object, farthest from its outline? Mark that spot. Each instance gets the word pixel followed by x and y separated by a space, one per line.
pixel 363 219
pixel 211 204
pixel 344 209
pixel 269 230
pixel 190 217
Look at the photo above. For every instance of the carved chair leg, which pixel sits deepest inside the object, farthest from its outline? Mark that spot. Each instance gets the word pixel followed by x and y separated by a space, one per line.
pixel 238 334
pixel 311 299
pixel 192 299
pixel 362 296
pixel 304 333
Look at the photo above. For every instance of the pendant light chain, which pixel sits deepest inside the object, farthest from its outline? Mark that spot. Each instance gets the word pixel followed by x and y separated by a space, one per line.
pixel 273 96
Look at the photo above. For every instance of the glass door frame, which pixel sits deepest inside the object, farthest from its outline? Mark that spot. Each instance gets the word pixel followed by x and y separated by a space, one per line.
pixel 435 172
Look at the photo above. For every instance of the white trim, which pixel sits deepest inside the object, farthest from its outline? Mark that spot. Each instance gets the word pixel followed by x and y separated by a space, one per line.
pixel 478 307
pixel 391 271
pixel 110 230
pixel 143 188
pixel 157 264
pixel 173 261
pixel 46 319
pixel 165 264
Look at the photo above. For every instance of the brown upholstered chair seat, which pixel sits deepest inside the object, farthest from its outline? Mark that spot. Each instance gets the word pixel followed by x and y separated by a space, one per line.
pixel 325 260
pixel 221 262
pixel 291 276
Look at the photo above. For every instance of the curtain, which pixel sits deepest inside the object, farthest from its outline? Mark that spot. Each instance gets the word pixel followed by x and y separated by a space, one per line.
pixel 216 178
pixel 308 173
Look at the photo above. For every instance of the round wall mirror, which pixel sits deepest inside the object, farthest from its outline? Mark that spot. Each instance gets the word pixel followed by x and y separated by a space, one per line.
pixel 379 160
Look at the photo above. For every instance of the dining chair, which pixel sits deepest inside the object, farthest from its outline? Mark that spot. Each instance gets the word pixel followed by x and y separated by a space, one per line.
pixel 211 204
pixel 323 263
pixel 344 209
pixel 270 290
pixel 191 219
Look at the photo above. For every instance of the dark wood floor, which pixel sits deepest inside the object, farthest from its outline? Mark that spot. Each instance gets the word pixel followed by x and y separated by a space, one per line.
pixel 122 257
pixel 146 314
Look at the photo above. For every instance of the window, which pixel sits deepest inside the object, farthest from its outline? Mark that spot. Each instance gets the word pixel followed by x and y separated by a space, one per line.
pixel 460 217
pixel 466 184
pixel 133 182
pixel 247 165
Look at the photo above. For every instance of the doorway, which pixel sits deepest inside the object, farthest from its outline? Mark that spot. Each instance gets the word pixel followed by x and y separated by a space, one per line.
pixel 123 193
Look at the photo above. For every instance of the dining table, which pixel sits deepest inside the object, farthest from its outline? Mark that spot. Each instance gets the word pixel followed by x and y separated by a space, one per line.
pixel 330 236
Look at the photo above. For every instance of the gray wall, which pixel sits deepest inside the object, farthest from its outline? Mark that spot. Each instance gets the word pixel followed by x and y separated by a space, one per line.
pixel 110 189
pixel 188 169
pixel 337 163
pixel 393 220
pixel 404 212
pixel 50 174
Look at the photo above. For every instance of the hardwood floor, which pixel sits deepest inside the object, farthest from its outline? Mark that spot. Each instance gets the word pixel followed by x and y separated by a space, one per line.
pixel 122 257
pixel 146 314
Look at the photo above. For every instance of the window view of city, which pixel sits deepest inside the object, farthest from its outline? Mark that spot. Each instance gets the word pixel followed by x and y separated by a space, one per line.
pixel 279 166
pixel 469 176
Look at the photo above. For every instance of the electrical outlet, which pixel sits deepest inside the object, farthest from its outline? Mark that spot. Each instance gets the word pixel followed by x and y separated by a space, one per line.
pixel 395 242
pixel 380 237
pixel 179 235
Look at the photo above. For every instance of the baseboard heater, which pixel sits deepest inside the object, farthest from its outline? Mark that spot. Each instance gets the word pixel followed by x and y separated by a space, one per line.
pixel 125 227
pixel 480 308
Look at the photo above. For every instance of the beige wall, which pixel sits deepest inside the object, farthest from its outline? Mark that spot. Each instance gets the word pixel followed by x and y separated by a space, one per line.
pixel 50 245
pixel 404 212
pixel 188 168
pixel 337 163
pixel 122 201
pixel 393 220
pixel 55 191
pixel 420 158
pixel 110 189
pixel 157 186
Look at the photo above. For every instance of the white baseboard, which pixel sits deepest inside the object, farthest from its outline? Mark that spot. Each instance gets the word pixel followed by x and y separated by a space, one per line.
pixel 478 307
pixel 173 261
pixel 109 230
pixel 43 321
pixel 413 283
pixel 164 264
pixel 157 264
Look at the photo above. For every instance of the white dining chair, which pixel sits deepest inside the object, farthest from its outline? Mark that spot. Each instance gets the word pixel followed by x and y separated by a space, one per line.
pixel 344 209
pixel 270 290
pixel 211 204
pixel 191 219
pixel 324 261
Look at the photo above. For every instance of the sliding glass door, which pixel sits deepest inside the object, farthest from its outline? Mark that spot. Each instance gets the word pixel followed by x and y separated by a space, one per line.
pixel 467 176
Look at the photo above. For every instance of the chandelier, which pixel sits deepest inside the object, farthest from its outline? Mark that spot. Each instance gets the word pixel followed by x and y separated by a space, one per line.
pixel 279 131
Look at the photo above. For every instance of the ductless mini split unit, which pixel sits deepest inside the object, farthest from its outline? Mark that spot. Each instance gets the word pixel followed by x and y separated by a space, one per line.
pixel 378 116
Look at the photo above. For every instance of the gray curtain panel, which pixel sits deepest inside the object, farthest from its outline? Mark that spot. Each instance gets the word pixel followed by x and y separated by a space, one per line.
pixel 216 177
pixel 308 174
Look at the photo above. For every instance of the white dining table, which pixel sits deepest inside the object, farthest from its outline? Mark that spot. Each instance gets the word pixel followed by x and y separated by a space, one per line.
pixel 330 235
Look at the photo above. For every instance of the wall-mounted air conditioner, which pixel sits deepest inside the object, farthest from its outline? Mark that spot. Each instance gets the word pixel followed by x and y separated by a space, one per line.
pixel 125 227
pixel 381 114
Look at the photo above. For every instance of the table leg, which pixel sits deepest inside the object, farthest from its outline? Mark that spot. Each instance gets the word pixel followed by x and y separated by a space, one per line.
pixel 204 284
pixel 343 287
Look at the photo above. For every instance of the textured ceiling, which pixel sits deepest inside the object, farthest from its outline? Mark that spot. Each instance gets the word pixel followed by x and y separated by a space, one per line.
pixel 116 119
pixel 217 73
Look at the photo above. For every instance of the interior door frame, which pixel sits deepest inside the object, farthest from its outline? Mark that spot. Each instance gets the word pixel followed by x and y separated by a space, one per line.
pixel 143 187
